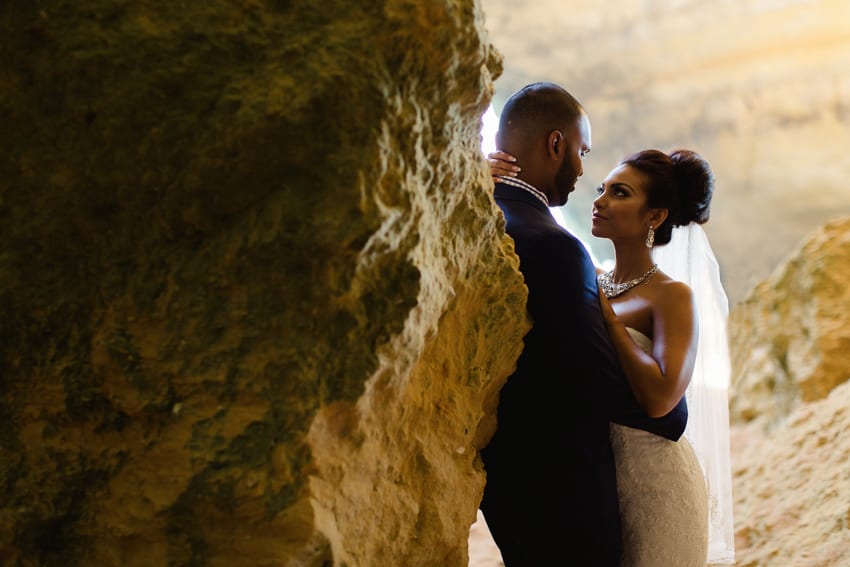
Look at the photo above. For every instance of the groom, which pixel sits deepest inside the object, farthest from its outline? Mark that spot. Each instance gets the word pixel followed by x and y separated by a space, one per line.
pixel 551 494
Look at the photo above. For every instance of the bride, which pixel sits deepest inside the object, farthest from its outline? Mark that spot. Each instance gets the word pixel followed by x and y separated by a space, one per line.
pixel 675 505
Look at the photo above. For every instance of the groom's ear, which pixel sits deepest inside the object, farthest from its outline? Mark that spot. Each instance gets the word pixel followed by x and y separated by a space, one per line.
pixel 555 144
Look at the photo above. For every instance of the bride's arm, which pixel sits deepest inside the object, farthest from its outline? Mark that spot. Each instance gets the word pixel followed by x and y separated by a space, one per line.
pixel 659 381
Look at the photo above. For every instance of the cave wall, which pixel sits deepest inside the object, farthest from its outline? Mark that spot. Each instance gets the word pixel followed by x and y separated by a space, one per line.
pixel 257 300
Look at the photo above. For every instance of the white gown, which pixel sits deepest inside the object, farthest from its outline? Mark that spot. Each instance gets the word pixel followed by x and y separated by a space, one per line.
pixel 663 496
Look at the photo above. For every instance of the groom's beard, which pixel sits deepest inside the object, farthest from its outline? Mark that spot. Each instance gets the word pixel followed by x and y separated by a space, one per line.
pixel 565 182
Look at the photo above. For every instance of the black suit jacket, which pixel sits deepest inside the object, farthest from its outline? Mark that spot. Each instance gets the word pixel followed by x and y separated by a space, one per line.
pixel 551 495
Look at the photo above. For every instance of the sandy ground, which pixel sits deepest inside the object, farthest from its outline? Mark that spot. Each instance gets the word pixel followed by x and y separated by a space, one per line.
pixel 482 549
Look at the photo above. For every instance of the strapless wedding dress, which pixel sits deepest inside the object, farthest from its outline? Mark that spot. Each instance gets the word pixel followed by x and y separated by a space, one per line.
pixel 663 496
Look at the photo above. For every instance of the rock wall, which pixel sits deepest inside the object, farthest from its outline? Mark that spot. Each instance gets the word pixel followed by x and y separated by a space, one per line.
pixel 790 487
pixel 789 341
pixel 759 87
pixel 257 301
pixel 791 334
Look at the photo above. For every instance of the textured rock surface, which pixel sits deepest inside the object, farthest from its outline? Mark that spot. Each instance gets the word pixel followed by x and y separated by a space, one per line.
pixel 760 87
pixel 789 342
pixel 791 487
pixel 256 300
pixel 791 335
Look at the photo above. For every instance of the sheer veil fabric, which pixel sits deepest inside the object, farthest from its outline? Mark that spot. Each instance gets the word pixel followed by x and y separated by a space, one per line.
pixel 689 258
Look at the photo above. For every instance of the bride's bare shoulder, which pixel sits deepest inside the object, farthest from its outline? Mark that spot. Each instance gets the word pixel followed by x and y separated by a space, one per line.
pixel 670 293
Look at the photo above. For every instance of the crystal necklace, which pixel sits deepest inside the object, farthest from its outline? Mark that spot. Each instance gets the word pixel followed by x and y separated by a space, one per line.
pixel 613 289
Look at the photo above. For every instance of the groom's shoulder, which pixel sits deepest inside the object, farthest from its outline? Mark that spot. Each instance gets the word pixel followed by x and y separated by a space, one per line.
pixel 552 242
pixel 554 235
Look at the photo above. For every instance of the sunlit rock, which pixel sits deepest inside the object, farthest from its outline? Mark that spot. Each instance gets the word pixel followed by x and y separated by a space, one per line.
pixel 791 335
pixel 789 341
pixel 791 487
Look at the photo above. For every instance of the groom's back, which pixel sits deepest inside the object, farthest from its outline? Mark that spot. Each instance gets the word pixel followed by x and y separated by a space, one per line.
pixel 551 481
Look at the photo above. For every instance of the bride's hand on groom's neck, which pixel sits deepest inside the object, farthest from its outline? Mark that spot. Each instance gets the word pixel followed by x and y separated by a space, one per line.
pixel 502 164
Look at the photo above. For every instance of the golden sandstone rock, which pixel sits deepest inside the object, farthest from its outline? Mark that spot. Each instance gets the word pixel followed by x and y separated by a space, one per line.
pixel 789 342
pixel 257 301
pixel 790 337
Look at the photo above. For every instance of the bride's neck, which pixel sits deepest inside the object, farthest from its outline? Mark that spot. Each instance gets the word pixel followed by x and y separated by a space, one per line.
pixel 633 259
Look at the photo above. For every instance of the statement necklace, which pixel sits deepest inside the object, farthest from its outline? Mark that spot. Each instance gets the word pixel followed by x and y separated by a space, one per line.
pixel 612 289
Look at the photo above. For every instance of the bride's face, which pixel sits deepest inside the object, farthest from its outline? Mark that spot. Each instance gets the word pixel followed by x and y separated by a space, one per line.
pixel 620 210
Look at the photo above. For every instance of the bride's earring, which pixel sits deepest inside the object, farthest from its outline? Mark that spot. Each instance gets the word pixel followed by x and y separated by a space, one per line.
pixel 650 237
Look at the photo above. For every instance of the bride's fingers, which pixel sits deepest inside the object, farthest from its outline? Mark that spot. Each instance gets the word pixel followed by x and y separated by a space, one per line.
pixel 502 169
pixel 502 164
pixel 499 154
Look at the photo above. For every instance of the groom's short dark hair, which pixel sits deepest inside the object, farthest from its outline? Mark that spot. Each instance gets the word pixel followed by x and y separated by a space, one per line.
pixel 534 110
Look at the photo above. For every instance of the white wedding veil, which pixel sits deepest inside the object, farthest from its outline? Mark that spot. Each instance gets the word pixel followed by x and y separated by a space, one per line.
pixel 689 258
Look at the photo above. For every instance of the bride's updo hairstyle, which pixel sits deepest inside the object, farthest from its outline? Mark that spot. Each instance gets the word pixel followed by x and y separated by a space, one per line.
pixel 681 182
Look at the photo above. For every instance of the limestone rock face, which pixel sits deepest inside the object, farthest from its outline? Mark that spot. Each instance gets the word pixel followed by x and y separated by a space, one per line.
pixel 789 341
pixel 791 335
pixel 257 301
pixel 759 87
pixel 791 486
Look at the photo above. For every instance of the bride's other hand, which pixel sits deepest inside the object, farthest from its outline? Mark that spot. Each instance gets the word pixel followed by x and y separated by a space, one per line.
pixel 502 164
